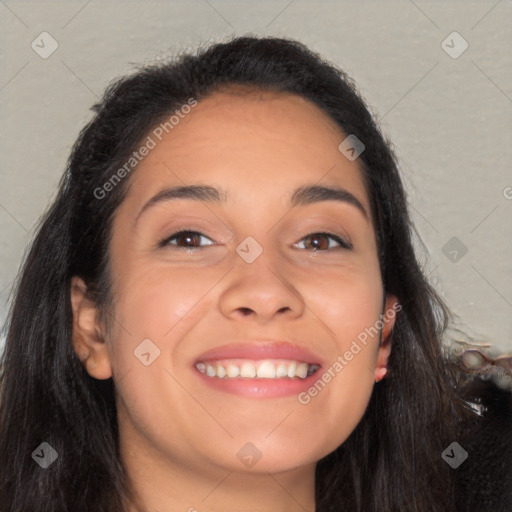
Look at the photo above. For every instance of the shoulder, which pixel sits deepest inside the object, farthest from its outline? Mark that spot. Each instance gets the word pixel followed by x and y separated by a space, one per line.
pixel 483 482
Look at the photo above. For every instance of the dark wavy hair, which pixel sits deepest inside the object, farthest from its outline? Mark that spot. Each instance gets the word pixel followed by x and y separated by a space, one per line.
pixel 391 461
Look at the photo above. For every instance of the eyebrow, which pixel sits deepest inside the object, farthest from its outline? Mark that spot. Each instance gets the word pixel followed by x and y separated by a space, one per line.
pixel 302 196
pixel 315 194
pixel 203 193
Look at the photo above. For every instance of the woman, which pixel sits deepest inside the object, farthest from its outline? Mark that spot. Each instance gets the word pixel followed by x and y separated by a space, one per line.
pixel 222 309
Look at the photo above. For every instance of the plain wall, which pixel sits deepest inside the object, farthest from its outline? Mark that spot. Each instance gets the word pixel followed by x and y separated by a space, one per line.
pixel 450 119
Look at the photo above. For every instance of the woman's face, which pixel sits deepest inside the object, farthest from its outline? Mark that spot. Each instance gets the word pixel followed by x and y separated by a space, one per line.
pixel 246 291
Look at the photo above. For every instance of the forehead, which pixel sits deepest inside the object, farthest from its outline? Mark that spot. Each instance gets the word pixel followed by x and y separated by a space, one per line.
pixel 251 120
pixel 251 143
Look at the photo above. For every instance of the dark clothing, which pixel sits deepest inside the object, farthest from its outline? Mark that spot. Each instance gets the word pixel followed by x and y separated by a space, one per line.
pixel 484 479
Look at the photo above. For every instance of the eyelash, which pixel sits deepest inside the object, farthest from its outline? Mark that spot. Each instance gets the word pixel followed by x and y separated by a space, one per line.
pixel 343 244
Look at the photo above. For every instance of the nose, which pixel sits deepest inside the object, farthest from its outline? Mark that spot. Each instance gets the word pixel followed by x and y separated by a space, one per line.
pixel 258 290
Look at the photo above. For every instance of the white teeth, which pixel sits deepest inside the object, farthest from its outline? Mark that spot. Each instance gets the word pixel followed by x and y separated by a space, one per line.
pixel 248 370
pixel 232 371
pixel 282 371
pixel 265 369
pixel 221 371
pixel 302 370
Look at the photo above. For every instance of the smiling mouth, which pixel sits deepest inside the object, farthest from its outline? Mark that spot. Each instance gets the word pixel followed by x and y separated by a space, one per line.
pixel 256 369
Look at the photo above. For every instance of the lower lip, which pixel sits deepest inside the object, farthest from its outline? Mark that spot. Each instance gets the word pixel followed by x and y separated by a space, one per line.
pixel 260 388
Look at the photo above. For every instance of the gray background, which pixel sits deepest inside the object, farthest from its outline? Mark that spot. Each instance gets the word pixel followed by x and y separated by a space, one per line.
pixel 450 119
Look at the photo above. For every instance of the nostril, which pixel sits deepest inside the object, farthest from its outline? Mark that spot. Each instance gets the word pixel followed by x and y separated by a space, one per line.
pixel 246 311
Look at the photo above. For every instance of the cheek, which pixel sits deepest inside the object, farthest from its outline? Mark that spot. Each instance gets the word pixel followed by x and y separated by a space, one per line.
pixel 349 304
pixel 152 299
pixel 154 308
pixel 348 299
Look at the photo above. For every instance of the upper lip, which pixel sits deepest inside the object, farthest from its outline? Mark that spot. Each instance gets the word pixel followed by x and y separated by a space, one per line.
pixel 261 350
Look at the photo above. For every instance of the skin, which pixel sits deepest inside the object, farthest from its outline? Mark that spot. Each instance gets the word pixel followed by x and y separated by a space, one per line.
pixel 179 437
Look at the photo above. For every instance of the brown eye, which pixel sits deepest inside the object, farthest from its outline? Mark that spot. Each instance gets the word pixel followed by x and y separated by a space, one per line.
pixel 185 239
pixel 318 242
pixel 322 242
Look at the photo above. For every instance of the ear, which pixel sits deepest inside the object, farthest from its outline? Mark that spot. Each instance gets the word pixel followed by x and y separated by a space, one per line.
pixel 88 339
pixel 391 309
